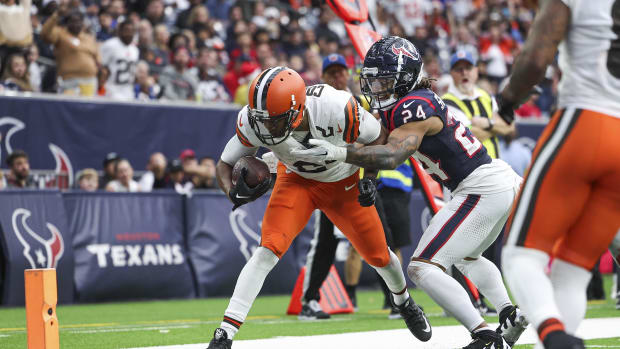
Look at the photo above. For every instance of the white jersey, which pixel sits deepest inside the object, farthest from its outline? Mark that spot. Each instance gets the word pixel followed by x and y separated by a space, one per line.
pixel 121 60
pixel 333 115
pixel 590 80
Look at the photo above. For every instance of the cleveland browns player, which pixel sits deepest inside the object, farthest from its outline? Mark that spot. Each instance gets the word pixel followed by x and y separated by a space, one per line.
pixel 283 115
pixel 569 206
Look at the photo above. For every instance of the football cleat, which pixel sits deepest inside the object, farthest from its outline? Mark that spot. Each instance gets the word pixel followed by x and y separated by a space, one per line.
pixel 562 340
pixel 512 323
pixel 220 340
pixel 487 339
pixel 394 314
pixel 313 311
pixel 415 319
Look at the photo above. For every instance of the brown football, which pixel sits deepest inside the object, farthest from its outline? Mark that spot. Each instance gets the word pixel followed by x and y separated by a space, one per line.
pixel 258 171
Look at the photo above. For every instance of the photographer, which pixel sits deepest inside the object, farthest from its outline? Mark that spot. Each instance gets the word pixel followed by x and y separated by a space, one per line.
pixel 77 56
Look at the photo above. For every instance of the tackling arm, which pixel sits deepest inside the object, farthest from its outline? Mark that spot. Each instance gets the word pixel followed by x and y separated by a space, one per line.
pixel 549 29
pixel 401 144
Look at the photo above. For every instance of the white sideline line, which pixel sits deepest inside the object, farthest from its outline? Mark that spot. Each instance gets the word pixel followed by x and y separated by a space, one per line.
pixel 443 337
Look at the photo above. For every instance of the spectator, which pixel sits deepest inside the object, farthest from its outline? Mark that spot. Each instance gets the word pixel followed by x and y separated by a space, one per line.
pixel 123 181
pixel 183 18
pixel 109 165
pixel 210 85
pixel 155 177
pixel 496 48
pixel 119 57
pixel 106 29
pixel 155 12
pixel 88 179
pixel 219 9
pixel 77 57
pixel 178 182
pixel 176 81
pixel 208 180
pixel 35 70
pixel 16 76
pixel 2 181
pixel 19 171
pixel 15 25
pixel 145 87
pixel 194 172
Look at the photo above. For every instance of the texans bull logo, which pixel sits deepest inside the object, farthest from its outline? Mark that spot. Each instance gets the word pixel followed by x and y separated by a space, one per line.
pixel 406 51
pixel 39 251
pixel 63 165
pixel 248 238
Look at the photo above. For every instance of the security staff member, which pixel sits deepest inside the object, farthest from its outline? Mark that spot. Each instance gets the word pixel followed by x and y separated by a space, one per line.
pixel 474 106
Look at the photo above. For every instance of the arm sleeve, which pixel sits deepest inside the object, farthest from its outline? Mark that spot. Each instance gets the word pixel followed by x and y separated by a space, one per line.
pixel 234 150
pixel 370 128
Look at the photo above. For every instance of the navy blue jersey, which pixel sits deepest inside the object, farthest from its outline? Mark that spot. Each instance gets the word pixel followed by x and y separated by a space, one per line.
pixel 450 155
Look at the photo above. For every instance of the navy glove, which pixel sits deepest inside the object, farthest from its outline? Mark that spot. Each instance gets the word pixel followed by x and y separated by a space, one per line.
pixel 368 192
pixel 241 193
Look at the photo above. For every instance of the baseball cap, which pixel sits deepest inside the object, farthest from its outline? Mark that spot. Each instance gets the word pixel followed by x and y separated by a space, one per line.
pixel 334 59
pixel 462 55
pixel 110 157
pixel 175 166
pixel 187 153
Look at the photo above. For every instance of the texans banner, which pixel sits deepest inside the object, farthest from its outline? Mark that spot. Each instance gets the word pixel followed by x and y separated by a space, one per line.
pixel 129 246
pixel 67 135
pixel 350 10
pixel 221 242
pixel 34 235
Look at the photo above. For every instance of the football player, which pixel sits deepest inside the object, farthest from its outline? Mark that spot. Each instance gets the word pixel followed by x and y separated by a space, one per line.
pixel 569 207
pixel 483 189
pixel 283 115
pixel 120 56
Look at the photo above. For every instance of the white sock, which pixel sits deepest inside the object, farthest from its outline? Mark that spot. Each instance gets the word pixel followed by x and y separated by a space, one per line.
pixel 394 278
pixel 570 283
pixel 446 292
pixel 524 270
pixel 487 278
pixel 248 285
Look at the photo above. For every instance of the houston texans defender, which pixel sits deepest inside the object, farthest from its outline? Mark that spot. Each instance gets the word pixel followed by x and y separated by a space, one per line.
pixel 483 190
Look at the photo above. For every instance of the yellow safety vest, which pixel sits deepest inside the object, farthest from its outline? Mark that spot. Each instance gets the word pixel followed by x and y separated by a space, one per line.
pixel 481 106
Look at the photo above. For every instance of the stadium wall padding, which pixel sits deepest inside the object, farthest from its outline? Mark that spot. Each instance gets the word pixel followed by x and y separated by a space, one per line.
pixel 129 246
pixel 221 241
pixel 34 234
pixel 82 132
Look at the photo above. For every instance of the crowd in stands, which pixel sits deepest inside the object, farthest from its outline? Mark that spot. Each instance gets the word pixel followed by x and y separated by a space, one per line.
pixel 209 50
pixel 183 174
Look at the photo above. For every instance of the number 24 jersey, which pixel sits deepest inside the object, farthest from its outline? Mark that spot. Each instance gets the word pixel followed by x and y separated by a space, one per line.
pixel 448 156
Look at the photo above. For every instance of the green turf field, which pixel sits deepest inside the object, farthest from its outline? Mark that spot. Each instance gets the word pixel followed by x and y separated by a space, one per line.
pixel 123 325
